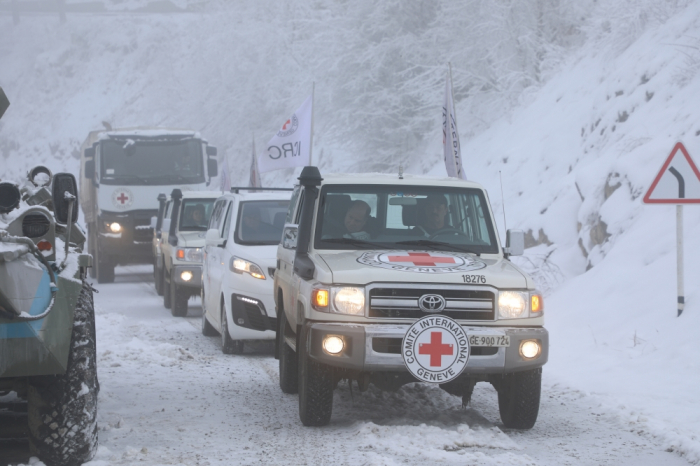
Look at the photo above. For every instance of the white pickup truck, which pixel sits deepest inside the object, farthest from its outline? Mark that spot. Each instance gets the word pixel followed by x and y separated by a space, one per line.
pixel 397 279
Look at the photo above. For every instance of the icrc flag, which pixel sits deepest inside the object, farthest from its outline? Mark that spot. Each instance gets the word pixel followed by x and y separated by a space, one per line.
pixel 450 137
pixel 291 146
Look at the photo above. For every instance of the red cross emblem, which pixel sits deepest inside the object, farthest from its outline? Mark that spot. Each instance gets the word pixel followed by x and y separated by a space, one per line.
pixel 422 258
pixel 288 122
pixel 123 198
pixel 436 349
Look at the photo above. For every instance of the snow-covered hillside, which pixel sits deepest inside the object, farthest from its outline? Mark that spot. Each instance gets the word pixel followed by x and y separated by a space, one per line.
pixel 575 105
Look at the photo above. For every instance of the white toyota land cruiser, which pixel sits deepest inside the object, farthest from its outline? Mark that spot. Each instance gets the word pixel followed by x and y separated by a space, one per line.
pixel 390 280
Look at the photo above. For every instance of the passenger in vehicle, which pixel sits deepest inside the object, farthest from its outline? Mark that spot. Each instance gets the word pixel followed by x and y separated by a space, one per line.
pixel 433 215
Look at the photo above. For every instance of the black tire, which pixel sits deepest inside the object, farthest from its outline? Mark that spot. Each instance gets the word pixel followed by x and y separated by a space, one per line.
pixel 315 391
pixel 207 329
pixel 178 300
pixel 62 409
pixel 519 398
pixel 228 344
pixel 166 292
pixel 289 369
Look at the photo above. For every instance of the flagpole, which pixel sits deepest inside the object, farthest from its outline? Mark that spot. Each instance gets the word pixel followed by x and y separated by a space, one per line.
pixel 311 139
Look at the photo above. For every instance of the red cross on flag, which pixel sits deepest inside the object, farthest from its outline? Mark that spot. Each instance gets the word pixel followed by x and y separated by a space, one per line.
pixel 291 146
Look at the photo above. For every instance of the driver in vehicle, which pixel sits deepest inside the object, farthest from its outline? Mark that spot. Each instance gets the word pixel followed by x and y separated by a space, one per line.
pixel 252 225
pixel 433 218
pixel 356 219
pixel 198 216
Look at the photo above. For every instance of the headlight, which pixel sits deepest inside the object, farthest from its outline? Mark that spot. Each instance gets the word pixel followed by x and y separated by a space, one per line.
pixel 512 304
pixel 239 265
pixel 115 227
pixel 190 254
pixel 349 300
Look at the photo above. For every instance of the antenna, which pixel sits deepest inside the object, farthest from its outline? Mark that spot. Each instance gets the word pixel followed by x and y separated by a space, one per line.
pixel 401 171
pixel 503 201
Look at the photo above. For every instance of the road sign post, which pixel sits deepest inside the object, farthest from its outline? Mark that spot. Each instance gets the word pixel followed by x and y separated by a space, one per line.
pixel 678 182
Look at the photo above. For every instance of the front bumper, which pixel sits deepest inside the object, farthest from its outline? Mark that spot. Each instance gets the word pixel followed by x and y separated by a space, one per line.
pixel 194 282
pixel 377 348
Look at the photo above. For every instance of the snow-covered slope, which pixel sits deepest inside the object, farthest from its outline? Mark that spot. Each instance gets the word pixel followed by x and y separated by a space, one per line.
pixel 593 96
pixel 576 162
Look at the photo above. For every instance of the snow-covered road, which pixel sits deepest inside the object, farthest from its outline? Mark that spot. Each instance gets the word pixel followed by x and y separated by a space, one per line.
pixel 169 396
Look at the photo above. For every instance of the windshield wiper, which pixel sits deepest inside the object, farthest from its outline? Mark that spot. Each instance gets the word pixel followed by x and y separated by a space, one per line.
pixel 125 175
pixel 437 244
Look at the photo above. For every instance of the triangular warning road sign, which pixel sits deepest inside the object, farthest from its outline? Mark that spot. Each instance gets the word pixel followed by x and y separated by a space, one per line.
pixel 678 181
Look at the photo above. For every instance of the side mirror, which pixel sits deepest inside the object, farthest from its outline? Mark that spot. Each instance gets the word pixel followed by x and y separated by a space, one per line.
pixel 515 243
pixel 4 102
pixel 89 172
pixel 165 227
pixel 89 152
pixel 65 183
pixel 213 238
pixel 211 151
pixel 289 236
pixel 212 168
pixel 154 221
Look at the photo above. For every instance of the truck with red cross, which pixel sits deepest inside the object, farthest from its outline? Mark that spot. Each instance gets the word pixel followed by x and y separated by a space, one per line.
pixel 389 280
pixel 122 172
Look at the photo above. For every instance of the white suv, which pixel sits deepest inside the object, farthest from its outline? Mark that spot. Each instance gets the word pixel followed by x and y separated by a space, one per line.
pixel 239 263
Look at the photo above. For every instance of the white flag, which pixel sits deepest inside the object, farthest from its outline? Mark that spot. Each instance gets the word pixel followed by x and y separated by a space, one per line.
pixel 254 181
pixel 291 146
pixel 450 137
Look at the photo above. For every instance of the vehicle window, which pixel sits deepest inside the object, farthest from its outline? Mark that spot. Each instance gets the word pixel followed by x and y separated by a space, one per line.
pixel 227 221
pixel 260 222
pixel 128 161
pixel 300 207
pixel 166 213
pixel 216 214
pixel 195 213
pixel 292 204
pixel 414 217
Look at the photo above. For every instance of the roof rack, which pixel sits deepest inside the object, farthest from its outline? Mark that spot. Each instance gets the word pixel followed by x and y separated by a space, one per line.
pixel 235 189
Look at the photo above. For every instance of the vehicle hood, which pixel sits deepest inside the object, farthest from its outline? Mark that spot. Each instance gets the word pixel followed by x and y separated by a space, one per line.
pixel 364 267
pixel 191 239
pixel 264 256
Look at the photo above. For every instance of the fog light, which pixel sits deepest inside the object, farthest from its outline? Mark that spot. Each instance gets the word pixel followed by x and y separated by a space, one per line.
pixel 115 227
pixel 530 349
pixel 333 344
pixel 186 275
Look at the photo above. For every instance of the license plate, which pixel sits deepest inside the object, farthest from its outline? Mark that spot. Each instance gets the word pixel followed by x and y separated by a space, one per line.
pixel 489 340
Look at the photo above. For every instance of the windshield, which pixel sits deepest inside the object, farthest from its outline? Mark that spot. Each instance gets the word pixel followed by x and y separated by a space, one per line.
pixel 139 162
pixel 409 217
pixel 261 222
pixel 195 214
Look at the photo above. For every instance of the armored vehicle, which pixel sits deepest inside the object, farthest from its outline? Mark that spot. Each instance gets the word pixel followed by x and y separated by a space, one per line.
pixel 122 171
pixel 395 279
pixel 47 321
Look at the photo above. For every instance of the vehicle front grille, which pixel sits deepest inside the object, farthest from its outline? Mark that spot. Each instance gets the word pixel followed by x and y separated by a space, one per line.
pixel 143 233
pixel 461 302
pixel 393 346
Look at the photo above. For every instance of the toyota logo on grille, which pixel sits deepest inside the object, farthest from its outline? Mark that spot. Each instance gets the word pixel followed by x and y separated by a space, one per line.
pixel 431 303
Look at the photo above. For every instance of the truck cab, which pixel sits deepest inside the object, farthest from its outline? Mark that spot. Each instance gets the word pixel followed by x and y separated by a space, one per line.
pixel 183 231
pixel 395 279
pixel 122 172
